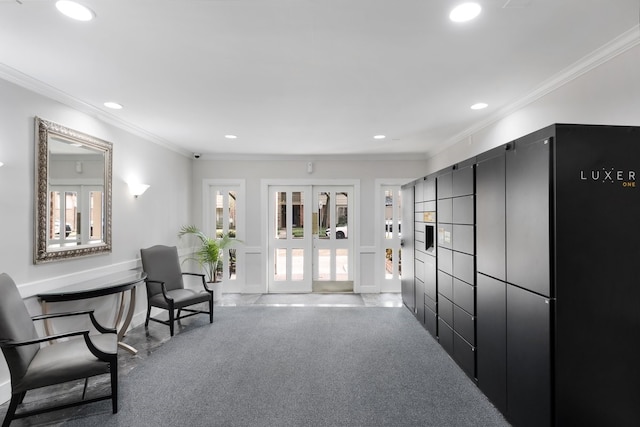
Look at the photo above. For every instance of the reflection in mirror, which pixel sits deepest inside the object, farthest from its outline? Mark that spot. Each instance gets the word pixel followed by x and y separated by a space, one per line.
pixel 73 193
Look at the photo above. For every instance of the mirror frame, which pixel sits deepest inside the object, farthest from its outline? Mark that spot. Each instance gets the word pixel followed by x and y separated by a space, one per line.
pixel 42 253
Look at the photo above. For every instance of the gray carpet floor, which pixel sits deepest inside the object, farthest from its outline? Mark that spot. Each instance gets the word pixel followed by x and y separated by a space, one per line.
pixel 298 366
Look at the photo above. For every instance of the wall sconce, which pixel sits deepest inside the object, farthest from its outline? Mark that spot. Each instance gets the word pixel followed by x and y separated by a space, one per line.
pixel 137 189
pixel 1 164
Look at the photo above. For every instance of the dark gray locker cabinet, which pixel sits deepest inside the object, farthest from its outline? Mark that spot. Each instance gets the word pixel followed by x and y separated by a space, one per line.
pixel 538 275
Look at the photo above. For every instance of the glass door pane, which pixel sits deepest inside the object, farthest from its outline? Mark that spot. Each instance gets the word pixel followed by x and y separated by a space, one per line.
pixel 281 215
pixel 297 208
pixel 70 217
pixel 224 223
pixel 323 214
pixel 280 265
pixel 290 241
pixel 95 214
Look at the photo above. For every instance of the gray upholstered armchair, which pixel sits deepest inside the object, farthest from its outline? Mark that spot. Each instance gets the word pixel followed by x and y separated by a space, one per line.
pixel 165 286
pixel 33 366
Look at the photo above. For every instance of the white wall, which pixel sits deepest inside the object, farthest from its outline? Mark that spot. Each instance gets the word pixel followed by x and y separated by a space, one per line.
pixel 153 218
pixel 608 94
pixel 254 172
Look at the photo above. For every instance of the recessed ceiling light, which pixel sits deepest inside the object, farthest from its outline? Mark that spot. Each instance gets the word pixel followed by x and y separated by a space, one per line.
pixel 230 136
pixel 75 10
pixel 113 105
pixel 465 12
pixel 379 137
pixel 479 106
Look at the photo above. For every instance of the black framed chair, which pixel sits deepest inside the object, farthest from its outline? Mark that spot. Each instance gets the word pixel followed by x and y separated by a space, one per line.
pixel 33 366
pixel 165 286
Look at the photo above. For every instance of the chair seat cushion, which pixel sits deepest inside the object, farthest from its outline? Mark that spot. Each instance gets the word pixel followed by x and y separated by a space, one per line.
pixel 181 298
pixel 67 361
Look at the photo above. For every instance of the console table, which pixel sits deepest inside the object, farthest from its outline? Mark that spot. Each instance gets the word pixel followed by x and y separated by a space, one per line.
pixel 116 283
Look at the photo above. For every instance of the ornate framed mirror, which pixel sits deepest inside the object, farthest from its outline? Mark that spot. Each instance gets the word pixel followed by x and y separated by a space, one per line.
pixel 72 193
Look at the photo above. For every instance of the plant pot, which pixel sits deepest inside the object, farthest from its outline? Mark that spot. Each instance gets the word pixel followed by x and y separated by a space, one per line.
pixel 217 290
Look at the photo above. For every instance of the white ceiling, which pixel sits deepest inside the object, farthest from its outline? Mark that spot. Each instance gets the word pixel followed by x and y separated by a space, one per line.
pixel 302 77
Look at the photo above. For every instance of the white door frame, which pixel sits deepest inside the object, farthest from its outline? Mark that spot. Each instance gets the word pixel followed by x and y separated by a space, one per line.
pixel 266 183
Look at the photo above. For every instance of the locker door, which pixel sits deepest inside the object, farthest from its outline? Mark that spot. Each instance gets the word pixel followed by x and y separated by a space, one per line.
pixel 490 217
pixel 491 330
pixel 408 244
pixel 528 212
pixel 528 358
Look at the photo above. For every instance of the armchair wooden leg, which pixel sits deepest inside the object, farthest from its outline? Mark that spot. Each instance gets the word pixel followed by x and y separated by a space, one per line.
pixel 171 319
pixel 114 386
pixel 13 405
pixel 146 322
pixel 84 390
pixel 211 310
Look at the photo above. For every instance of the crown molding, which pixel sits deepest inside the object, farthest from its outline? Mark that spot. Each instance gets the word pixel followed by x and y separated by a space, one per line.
pixel 615 47
pixel 34 85
pixel 315 157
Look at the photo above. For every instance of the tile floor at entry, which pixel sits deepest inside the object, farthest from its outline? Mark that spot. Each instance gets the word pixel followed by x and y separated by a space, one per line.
pixel 147 341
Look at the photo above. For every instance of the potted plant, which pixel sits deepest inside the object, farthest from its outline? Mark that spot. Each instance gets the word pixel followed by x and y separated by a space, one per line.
pixel 208 254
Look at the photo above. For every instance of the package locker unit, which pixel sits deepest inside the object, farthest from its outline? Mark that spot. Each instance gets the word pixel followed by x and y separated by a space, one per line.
pixel 419 289
pixel 533 281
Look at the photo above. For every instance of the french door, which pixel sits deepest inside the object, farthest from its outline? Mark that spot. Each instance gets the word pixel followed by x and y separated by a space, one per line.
pixel 224 215
pixel 391 238
pixel 75 215
pixel 290 244
pixel 333 241
pixel 310 244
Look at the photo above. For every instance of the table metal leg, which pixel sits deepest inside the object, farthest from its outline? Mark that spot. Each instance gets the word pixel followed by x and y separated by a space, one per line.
pixel 121 297
pixel 127 320
pixel 47 322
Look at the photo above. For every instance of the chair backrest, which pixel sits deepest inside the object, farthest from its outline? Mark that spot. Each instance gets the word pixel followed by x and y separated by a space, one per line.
pixel 16 325
pixel 163 264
